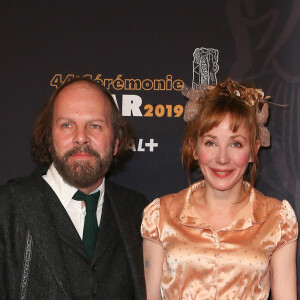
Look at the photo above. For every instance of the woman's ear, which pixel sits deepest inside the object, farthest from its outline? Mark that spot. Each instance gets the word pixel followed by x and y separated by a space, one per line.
pixel 192 145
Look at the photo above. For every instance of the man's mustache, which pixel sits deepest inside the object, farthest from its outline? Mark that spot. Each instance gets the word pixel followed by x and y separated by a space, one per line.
pixel 83 149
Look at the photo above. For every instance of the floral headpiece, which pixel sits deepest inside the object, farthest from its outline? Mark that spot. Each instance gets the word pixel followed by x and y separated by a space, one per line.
pixel 250 96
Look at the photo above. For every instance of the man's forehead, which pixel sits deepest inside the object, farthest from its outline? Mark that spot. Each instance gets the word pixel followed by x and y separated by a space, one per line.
pixel 73 100
pixel 82 84
pixel 80 87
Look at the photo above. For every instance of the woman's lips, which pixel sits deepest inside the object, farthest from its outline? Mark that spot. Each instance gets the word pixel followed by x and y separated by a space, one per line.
pixel 221 173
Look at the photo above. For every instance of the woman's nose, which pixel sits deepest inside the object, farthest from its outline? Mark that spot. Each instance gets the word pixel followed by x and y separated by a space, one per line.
pixel 223 157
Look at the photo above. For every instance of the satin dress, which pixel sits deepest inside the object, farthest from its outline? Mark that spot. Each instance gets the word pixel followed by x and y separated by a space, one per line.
pixel 229 263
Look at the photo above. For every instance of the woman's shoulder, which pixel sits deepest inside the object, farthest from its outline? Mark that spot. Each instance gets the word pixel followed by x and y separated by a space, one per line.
pixel 167 199
pixel 174 204
pixel 272 202
pixel 180 196
pixel 275 207
pixel 281 217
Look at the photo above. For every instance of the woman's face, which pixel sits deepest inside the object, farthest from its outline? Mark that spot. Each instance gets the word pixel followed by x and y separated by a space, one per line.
pixel 223 155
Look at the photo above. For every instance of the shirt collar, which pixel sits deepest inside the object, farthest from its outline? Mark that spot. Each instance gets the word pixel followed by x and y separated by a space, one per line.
pixel 182 210
pixel 64 191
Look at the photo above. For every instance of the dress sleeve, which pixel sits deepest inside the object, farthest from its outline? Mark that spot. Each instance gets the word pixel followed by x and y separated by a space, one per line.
pixel 288 225
pixel 150 223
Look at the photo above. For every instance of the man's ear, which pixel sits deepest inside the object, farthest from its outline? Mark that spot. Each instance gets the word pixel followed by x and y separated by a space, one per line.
pixel 257 146
pixel 116 147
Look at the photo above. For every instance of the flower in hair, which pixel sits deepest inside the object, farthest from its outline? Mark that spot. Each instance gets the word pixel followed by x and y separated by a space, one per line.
pixel 250 96
pixel 192 107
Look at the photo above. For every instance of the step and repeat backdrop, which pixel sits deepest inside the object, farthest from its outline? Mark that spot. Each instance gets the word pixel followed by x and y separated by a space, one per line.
pixel 143 52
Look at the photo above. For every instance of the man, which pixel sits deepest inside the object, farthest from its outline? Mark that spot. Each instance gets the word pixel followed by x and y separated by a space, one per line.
pixel 50 243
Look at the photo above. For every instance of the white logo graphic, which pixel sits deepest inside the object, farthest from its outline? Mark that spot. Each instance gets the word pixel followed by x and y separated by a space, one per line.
pixel 143 146
pixel 205 67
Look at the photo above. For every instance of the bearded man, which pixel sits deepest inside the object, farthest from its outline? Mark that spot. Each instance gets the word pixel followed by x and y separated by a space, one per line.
pixel 66 232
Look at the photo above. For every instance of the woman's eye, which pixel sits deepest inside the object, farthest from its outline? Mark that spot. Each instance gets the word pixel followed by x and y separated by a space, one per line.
pixel 209 143
pixel 237 145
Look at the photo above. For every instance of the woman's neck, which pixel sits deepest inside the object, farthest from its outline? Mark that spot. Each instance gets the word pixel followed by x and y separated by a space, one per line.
pixel 216 199
pixel 220 208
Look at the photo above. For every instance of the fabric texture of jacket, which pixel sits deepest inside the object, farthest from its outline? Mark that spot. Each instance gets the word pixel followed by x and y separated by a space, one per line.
pixel 43 257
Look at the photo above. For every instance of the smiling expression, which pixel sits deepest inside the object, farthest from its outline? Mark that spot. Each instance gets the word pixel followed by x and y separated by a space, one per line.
pixel 223 155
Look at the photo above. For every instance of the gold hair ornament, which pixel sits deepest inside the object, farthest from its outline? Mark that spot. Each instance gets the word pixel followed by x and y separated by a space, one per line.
pixel 250 96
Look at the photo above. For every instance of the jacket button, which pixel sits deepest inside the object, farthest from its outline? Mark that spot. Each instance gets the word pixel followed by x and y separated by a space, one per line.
pixel 94 268
pixel 94 293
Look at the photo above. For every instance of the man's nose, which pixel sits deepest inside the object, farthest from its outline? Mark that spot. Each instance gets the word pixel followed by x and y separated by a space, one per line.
pixel 81 136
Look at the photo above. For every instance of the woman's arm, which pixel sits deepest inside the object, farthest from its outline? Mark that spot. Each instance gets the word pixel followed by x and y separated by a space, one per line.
pixel 153 263
pixel 283 273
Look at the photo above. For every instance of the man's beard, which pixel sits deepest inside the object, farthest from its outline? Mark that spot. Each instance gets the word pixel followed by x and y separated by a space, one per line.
pixel 81 173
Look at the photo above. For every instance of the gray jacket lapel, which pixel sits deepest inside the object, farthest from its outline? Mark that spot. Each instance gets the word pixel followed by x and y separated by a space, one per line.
pixel 127 207
pixel 62 222
pixel 107 229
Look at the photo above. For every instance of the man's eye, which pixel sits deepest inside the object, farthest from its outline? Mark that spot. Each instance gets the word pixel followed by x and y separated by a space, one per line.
pixel 66 125
pixel 95 126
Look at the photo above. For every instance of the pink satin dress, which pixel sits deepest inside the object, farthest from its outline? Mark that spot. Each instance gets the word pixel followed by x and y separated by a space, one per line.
pixel 229 263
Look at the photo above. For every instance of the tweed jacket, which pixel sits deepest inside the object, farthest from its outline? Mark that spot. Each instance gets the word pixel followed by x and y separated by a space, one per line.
pixel 31 261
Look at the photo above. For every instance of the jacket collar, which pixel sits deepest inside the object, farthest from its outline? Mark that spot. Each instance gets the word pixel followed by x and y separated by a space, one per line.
pixel 63 190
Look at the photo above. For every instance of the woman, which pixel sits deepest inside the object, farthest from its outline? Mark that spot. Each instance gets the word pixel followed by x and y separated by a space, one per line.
pixel 220 238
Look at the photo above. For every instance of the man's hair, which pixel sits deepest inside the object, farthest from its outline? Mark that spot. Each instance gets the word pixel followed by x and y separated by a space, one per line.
pixel 42 132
